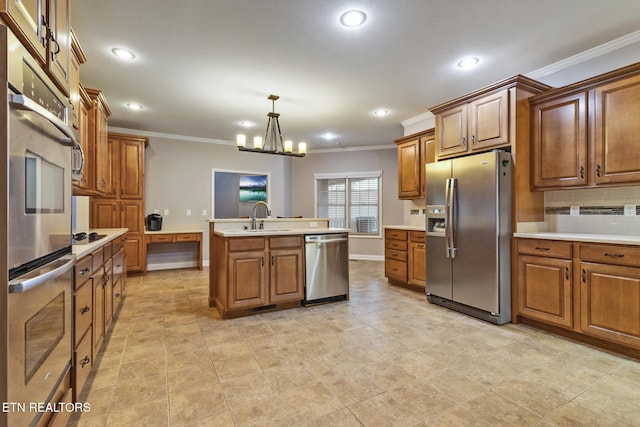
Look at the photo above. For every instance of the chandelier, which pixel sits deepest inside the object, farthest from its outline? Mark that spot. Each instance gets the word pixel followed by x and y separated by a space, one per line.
pixel 272 143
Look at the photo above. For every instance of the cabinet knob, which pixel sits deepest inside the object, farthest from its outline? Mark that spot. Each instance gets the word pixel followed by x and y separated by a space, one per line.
pixel 598 170
pixel 566 273
pixel 85 309
pixel 464 141
pixel 581 171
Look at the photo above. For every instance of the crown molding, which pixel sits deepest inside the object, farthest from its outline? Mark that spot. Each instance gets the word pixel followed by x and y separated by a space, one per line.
pixel 587 55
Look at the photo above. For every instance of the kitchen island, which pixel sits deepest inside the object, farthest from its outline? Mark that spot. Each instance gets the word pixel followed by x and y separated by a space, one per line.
pixel 261 269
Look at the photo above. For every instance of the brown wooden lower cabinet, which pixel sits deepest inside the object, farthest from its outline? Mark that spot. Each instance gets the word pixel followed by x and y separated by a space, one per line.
pixel 257 272
pixel 99 282
pixel 405 258
pixel 590 290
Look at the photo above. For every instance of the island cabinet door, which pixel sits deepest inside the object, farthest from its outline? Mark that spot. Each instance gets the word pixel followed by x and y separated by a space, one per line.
pixel 247 279
pixel 287 276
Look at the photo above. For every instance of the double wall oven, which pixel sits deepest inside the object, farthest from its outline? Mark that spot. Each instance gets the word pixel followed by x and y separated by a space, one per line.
pixel 36 306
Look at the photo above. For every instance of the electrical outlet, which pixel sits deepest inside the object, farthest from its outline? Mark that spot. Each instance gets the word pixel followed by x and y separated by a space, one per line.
pixel 156 211
pixel 188 212
pixel 166 212
pixel 629 210
pixel 204 212
pixel 415 212
pixel 574 211
pixel 313 224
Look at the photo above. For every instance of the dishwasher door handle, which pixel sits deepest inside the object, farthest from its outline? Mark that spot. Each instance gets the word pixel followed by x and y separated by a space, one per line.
pixel 322 242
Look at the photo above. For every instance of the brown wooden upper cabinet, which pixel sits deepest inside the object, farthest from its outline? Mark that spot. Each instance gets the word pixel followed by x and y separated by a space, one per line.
pixel 414 151
pixel 474 126
pixel 584 135
pixel 43 27
pixel 485 119
pixel 559 131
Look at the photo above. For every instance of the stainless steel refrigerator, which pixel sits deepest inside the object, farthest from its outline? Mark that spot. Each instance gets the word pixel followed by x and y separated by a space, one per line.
pixel 468 220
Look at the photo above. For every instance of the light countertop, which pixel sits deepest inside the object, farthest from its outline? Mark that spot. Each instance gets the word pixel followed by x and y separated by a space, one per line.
pixel 281 232
pixel 111 234
pixel 406 227
pixel 176 229
pixel 583 237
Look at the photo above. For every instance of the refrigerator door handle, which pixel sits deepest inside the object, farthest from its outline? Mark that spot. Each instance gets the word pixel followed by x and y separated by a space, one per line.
pixel 451 205
pixel 447 210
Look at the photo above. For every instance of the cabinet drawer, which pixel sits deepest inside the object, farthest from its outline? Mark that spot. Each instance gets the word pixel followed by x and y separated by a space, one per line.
pixel 187 237
pixel 395 234
pixel 547 248
pixel 397 255
pixel 82 365
pixel 618 255
pixel 116 244
pixel 395 245
pixel 107 250
pixel 83 312
pixel 285 242
pixel 418 236
pixel 394 269
pixel 83 271
pixel 98 258
pixel 246 244
pixel 162 238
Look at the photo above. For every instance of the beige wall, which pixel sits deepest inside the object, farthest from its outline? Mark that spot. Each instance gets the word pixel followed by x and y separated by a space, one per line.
pixel 178 177
pixel 386 160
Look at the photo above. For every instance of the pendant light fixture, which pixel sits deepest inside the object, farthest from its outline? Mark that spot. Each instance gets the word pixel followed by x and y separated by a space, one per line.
pixel 272 143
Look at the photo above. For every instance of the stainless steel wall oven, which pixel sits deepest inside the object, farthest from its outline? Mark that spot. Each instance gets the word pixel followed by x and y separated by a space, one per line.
pixel 36 306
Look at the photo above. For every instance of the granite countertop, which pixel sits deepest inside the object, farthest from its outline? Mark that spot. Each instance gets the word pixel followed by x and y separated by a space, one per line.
pixel 281 232
pixel 582 237
pixel 110 234
pixel 406 227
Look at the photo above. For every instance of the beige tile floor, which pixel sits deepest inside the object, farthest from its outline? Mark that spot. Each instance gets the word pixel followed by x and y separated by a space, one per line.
pixel 384 358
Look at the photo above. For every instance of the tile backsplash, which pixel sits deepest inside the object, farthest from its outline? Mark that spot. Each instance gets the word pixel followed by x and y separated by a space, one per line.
pixel 598 210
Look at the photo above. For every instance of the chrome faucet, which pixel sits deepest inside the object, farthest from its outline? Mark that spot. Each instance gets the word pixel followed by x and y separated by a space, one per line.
pixel 254 221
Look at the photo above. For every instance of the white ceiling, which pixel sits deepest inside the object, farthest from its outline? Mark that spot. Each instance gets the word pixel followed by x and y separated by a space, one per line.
pixel 203 66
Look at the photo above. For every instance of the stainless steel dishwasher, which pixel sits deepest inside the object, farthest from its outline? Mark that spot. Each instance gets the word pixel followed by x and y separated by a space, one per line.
pixel 327 267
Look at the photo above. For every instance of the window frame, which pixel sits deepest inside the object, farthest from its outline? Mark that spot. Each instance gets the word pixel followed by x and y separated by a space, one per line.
pixel 347 176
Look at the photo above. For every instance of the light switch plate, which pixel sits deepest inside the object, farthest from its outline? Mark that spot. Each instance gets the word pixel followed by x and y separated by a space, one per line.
pixel 630 210
pixel 156 211
pixel 204 212
pixel 574 210
pixel 188 212
pixel 166 212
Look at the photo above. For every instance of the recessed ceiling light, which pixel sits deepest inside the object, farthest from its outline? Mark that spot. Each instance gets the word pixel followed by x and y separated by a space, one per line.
pixel 468 62
pixel 329 136
pixel 134 106
pixel 381 112
pixel 247 124
pixel 123 53
pixel 353 18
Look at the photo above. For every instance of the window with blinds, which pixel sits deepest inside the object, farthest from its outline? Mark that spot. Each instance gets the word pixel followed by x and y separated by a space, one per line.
pixel 350 201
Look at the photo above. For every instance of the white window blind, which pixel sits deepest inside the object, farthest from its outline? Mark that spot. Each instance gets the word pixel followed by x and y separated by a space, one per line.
pixel 350 201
